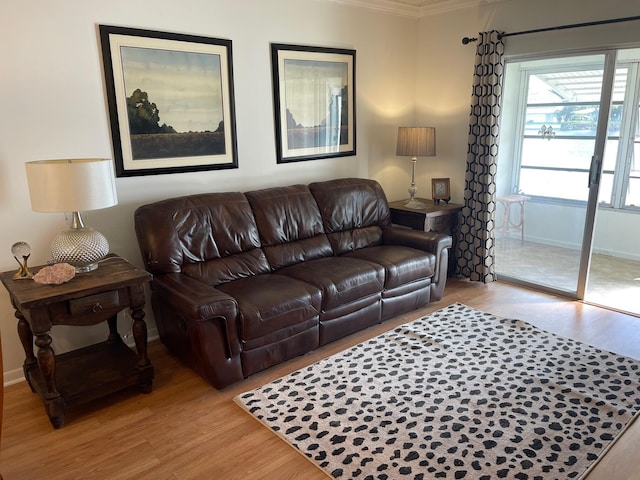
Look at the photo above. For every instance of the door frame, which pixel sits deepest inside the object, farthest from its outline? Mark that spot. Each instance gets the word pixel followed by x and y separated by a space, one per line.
pixel 609 68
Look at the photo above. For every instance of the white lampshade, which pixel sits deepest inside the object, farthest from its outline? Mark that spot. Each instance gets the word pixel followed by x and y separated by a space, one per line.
pixel 75 185
pixel 416 142
pixel 79 184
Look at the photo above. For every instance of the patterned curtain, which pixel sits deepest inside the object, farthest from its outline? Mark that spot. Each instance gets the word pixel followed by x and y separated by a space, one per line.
pixel 476 256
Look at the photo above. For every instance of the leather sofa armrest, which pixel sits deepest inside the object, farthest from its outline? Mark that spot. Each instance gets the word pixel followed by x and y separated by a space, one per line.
pixel 198 302
pixel 433 242
pixel 428 241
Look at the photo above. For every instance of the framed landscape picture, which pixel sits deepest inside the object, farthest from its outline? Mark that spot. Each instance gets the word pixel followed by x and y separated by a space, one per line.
pixel 171 103
pixel 314 102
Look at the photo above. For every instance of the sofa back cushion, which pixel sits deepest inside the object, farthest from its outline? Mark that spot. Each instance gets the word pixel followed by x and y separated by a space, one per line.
pixel 290 225
pixel 354 212
pixel 211 237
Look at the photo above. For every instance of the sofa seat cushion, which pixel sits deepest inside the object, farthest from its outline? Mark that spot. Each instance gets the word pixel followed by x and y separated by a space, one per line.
pixel 271 306
pixel 402 265
pixel 342 280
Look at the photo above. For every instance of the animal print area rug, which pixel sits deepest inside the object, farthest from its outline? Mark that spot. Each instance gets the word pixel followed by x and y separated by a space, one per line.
pixel 459 394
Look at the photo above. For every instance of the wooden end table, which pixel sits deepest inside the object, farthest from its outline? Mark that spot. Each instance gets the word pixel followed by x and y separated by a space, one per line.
pixel 441 218
pixel 91 372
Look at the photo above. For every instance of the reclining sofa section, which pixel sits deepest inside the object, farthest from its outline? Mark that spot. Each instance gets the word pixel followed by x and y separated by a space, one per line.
pixel 243 281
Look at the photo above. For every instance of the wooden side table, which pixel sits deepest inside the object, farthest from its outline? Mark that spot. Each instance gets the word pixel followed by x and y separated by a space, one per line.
pixel 89 298
pixel 441 218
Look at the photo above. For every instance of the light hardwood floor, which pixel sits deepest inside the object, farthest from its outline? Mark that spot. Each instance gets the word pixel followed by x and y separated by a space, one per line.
pixel 185 429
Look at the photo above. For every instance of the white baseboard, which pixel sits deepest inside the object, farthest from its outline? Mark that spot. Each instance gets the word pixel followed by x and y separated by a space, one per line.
pixel 611 253
pixel 571 246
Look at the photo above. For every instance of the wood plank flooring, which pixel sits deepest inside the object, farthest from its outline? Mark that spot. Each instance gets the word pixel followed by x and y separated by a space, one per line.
pixel 186 429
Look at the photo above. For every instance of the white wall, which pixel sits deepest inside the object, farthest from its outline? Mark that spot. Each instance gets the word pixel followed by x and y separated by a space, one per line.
pixel 52 105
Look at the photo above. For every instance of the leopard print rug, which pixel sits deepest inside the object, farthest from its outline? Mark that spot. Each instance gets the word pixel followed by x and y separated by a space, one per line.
pixel 459 394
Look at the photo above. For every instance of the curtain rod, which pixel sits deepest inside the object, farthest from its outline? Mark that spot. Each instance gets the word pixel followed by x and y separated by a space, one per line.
pixel 467 40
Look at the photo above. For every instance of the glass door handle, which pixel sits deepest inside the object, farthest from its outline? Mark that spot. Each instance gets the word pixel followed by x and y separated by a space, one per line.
pixel 594 171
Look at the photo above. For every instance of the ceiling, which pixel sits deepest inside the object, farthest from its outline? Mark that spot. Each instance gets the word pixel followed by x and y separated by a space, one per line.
pixel 416 8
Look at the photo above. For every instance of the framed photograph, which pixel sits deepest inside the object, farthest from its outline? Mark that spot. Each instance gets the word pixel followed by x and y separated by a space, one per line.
pixel 440 190
pixel 171 104
pixel 314 102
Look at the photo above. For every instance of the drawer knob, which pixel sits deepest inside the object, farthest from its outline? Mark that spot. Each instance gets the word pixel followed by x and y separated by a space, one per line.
pixel 97 307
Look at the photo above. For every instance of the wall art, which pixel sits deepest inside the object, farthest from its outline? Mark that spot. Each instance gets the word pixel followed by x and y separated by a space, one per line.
pixel 314 102
pixel 171 101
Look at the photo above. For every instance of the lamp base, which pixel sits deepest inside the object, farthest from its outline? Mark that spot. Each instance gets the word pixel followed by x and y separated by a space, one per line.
pixel 413 203
pixel 86 268
pixel 81 247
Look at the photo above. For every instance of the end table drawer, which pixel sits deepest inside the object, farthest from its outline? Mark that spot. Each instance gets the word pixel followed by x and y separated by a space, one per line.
pixel 95 303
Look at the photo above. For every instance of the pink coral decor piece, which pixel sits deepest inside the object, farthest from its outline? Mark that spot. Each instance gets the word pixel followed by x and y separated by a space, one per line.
pixel 55 274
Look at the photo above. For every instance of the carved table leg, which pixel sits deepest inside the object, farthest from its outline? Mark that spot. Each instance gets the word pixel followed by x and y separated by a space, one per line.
pixel 140 336
pixel 114 336
pixel 26 338
pixel 54 403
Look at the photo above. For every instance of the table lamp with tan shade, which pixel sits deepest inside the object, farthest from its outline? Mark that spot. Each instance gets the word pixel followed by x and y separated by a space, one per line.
pixel 74 186
pixel 415 142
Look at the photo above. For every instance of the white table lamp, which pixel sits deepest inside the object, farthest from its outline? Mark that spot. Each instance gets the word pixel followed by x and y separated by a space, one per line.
pixel 74 185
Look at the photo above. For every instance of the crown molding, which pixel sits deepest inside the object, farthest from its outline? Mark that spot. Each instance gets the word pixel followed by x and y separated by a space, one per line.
pixel 417 8
pixel 442 6
pixel 386 6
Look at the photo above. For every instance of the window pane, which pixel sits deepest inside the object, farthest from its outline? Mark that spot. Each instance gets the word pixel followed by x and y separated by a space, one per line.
pixel 610 154
pixel 606 187
pixel 561 87
pixel 578 119
pixel 565 120
pixel 566 185
pixel 557 153
pixel 536 117
pixel 608 169
pixel 615 118
pixel 633 193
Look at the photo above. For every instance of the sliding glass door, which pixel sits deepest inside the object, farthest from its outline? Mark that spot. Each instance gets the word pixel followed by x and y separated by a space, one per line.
pixel 553 136
pixel 614 274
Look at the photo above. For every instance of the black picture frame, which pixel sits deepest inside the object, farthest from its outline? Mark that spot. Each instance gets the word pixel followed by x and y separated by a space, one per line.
pixel 171 101
pixel 314 102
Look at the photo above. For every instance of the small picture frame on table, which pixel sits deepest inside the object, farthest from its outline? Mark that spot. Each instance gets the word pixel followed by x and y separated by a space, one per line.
pixel 440 190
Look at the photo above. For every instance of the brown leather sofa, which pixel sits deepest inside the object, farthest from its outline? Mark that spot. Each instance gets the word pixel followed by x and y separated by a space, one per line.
pixel 243 281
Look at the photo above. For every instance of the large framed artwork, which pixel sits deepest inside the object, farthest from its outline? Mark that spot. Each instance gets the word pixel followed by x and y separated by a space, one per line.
pixel 314 102
pixel 171 103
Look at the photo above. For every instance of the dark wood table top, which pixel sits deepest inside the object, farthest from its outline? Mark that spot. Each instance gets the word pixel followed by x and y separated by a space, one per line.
pixel 112 272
